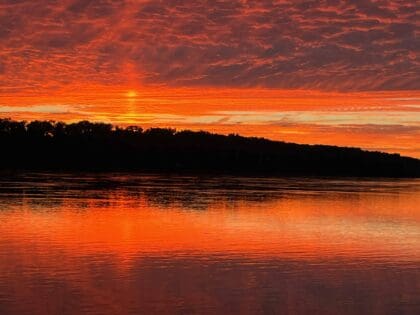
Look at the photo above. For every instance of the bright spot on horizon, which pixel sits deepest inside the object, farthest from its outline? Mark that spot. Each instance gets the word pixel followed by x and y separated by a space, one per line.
pixel 131 94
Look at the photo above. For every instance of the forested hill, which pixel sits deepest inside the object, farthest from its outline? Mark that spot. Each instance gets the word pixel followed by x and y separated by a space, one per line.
pixel 86 146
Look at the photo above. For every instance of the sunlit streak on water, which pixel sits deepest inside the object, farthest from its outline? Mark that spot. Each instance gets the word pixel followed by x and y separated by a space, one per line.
pixel 144 244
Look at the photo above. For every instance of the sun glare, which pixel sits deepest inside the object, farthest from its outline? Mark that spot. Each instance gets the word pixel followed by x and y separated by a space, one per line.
pixel 131 94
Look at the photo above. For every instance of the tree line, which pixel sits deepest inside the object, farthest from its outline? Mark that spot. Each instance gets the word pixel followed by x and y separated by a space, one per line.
pixel 92 146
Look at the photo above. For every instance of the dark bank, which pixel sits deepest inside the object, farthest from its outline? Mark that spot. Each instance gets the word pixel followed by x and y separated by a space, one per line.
pixel 49 145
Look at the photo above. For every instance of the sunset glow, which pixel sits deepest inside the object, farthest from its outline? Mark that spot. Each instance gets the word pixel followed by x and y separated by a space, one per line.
pixel 131 94
pixel 209 157
pixel 331 72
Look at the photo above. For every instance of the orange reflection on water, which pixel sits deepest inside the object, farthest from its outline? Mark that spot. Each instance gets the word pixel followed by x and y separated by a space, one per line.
pixel 358 226
pixel 147 245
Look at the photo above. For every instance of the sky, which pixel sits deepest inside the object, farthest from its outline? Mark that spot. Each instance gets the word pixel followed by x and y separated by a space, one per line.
pixel 327 71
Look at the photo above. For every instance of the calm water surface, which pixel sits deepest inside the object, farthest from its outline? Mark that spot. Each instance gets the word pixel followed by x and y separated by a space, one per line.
pixel 143 244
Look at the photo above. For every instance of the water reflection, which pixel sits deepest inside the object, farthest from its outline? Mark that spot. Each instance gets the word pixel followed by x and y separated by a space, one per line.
pixel 144 244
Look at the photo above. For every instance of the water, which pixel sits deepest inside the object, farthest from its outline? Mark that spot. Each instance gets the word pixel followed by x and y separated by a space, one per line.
pixel 145 244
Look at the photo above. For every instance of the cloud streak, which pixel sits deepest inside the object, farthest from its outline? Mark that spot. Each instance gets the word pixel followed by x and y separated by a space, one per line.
pixel 327 71
pixel 323 45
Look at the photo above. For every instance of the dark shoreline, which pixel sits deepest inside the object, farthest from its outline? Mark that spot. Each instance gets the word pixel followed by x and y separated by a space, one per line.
pixel 194 173
pixel 98 147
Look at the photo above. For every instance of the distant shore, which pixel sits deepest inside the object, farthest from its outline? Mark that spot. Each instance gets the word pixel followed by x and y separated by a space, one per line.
pixel 86 146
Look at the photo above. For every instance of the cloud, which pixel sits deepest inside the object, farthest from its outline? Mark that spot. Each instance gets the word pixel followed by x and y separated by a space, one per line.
pixel 386 119
pixel 325 45
pixel 2 68
pixel 42 109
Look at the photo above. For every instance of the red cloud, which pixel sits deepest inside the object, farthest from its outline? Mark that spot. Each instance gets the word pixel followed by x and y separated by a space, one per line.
pixel 326 45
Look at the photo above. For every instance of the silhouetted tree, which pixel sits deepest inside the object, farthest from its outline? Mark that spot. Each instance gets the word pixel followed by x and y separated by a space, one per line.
pixel 99 146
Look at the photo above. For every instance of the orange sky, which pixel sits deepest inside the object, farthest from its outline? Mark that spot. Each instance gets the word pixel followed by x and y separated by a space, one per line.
pixel 323 72
pixel 385 121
